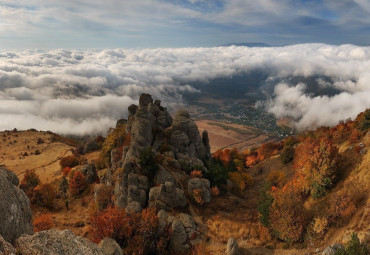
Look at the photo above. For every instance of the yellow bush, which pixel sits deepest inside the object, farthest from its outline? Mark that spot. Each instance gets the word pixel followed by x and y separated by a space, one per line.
pixel 241 181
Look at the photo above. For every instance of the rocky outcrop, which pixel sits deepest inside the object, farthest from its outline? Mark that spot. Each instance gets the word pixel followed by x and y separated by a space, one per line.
pixel 166 196
pixel 102 196
pixel 232 247
pixel 110 247
pixel 178 238
pixel 132 188
pixel 56 242
pixel 89 171
pixel 185 137
pixel 200 184
pixel 6 248
pixel 15 211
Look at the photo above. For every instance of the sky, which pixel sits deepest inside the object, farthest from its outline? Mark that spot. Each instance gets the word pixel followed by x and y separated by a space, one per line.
pixel 82 24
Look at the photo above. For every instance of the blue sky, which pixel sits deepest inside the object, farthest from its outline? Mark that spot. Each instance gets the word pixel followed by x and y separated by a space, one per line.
pixel 180 23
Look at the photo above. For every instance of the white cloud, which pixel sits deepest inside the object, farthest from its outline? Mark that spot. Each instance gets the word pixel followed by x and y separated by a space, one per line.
pixel 65 90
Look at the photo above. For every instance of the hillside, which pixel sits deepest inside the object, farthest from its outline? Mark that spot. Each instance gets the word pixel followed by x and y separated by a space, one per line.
pixel 153 185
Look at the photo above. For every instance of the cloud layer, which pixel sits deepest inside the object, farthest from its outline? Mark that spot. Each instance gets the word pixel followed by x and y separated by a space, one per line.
pixel 86 91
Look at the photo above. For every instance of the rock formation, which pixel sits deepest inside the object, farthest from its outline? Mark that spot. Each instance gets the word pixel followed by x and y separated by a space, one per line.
pixel 15 211
pixel 150 125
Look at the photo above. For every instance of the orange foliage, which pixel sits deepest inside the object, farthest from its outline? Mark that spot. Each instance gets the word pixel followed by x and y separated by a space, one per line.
pixel 215 191
pixel 196 174
pixel 30 180
pixel 252 160
pixel 43 222
pixel 241 181
pixel 77 184
pixel 318 161
pixel 341 207
pixel 138 232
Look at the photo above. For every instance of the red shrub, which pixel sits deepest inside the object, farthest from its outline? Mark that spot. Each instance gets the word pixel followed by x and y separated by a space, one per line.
pixel 77 184
pixel 113 223
pixel 66 171
pixel 43 222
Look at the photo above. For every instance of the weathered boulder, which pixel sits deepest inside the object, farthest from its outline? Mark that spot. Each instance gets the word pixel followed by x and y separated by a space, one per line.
pixel 133 187
pixel 15 211
pixel 90 146
pixel 56 242
pixel 232 247
pixel 200 184
pixel 133 207
pixel 189 224
pixel 6 248
pixel 89 171
pixel 110 247
pixel 178 238
pixel 184 127
pixel 166 196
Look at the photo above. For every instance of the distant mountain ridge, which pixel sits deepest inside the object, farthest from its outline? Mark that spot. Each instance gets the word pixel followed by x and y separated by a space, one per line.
pixel 257 44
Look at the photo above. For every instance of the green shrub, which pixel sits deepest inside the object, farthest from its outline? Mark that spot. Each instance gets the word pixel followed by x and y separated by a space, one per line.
pixel 216 173
pixel 264 205
pixel 147 162
pixel 353 247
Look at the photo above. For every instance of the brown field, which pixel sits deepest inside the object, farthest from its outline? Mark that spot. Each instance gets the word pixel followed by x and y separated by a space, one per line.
pixel 17 153
pixel 224 135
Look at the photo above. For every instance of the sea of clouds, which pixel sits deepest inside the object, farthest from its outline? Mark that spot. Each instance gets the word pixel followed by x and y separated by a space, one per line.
pixel 86 91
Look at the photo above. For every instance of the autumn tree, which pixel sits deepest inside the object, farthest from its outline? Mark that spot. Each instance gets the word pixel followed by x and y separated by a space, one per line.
pixel 69 161
pixel 318 160
pixel 287 215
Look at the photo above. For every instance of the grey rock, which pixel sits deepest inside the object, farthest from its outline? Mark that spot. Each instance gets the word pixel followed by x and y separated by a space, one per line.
pixel 89 171
pixel 166 195
pixel 232 247
pixel 16 215
pixel 178 237
pixel 110 247
pixel 207 147
pixel 56 242
pixel 189 224
pixel 6 248
pixel 162 176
